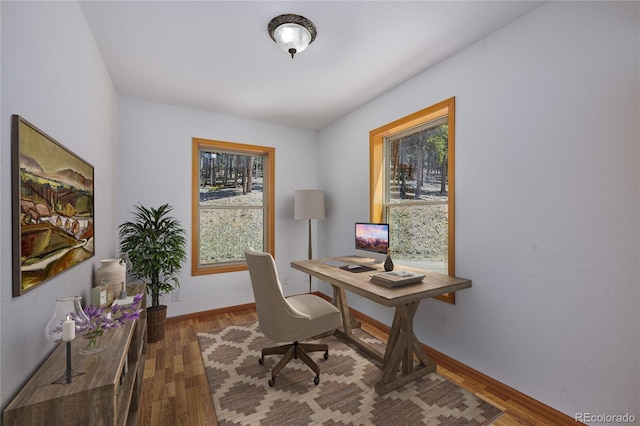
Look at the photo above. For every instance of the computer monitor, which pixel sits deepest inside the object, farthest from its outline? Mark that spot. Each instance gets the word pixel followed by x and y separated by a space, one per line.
pixel 372 240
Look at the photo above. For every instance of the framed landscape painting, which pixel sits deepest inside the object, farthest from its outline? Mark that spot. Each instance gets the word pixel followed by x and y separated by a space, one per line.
pixel 52 207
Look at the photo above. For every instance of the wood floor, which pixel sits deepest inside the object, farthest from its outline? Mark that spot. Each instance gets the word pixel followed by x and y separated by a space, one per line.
pixel 175 390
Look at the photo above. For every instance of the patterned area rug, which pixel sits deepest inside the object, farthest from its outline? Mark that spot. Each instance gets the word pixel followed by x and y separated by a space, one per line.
pixel 345 395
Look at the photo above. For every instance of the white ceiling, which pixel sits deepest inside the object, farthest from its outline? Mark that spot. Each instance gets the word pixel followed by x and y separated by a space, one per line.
pixel 217 55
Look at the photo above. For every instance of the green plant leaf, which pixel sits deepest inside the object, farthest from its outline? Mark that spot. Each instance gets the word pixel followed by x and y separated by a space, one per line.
pixel 156 245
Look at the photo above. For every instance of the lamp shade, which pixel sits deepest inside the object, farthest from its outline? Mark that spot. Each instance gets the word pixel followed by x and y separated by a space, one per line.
pixel 309 204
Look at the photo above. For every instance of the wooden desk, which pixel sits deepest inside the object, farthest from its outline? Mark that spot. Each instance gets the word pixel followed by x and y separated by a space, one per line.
pixel 403 343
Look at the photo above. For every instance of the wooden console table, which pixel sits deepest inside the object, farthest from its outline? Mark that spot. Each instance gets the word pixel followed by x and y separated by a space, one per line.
pixel 403 343
pixel 107 393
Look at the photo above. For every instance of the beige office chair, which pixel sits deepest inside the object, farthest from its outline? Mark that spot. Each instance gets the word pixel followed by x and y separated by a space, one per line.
pixel 290 319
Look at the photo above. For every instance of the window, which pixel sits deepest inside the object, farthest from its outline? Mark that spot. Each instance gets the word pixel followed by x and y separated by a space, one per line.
pixel 412 187
pixel 233 204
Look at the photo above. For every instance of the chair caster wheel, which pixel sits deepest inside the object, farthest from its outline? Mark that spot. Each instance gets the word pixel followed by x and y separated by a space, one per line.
pixel 326 355
pixel 272 382
pixel 316 379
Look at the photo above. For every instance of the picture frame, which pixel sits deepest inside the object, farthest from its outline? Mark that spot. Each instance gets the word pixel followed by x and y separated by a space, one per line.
pixel 52 193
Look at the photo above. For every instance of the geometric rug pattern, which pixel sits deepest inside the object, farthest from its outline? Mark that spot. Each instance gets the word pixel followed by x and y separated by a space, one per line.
pixel 345 395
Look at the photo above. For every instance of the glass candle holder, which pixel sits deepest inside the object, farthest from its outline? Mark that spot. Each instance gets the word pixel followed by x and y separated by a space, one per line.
pixel 66 308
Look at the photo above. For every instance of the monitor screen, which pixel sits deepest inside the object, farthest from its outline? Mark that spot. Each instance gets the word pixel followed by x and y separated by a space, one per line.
pixel 372 237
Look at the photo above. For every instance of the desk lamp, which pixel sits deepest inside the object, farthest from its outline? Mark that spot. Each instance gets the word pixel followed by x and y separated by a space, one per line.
pixel 309 204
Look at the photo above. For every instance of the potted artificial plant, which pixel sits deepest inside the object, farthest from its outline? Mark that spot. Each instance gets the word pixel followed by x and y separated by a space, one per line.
pixel 156 245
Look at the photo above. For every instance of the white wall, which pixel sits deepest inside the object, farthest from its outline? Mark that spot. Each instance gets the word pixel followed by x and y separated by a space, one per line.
pixel 548 197
pixel 154 168
pixel 53 76
pixel 547 203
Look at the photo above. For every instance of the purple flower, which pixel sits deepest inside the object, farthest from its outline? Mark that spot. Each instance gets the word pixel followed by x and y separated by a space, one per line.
pixel 101 319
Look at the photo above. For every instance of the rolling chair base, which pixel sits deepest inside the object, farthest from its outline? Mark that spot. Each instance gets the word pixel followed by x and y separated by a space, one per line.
pixel 298 351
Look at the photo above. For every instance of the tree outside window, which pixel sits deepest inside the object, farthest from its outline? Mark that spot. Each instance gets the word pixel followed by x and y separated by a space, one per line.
pixel 416 202
pixel 233 204
pixel 412 187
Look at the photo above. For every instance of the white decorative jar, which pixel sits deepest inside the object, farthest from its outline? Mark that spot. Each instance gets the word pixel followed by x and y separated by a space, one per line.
pixel 112 271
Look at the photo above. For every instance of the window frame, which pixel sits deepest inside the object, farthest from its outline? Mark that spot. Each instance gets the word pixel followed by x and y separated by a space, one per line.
pixel 377 158
pixel 269 191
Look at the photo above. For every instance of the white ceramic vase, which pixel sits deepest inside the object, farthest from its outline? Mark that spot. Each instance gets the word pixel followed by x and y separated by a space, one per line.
pixel 112 271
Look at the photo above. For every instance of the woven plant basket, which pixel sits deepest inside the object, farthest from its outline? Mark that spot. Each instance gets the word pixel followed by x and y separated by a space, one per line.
pixel 156 319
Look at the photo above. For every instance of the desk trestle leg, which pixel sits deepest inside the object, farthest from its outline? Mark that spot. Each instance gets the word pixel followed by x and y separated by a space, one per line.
pixel 340 301
pixel 399 355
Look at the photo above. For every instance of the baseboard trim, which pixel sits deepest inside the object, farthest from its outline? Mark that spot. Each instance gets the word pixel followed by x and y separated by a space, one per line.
pixel 551 414
pixel 218 311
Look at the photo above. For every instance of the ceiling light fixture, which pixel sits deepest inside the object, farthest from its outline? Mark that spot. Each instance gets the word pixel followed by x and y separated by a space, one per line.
pixel 293 33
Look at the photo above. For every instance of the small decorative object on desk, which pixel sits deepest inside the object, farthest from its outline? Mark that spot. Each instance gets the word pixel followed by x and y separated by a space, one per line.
pixel 68 319
pixel 93 342
pixel 103 319
pixel 99 295
pixel 388 263
pixel 126 263
pixel 111 271
pixel 66 307
pixel 396 278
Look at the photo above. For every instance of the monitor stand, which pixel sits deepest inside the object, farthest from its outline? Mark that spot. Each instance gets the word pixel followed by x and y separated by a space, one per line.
pixel 369 257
